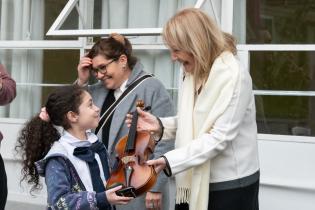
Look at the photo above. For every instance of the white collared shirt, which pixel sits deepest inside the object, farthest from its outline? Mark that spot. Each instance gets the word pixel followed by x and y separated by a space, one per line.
pixel 120 90
pixel 70 143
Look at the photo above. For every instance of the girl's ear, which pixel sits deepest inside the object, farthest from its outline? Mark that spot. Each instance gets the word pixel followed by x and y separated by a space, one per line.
pixel 72 117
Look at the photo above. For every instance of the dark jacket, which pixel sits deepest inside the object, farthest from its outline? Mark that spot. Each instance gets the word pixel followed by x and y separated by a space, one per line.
pixel 8 90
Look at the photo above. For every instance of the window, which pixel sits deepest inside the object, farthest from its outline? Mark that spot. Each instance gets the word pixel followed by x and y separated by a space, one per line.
pixel 278 38
pixel 35 61
pixel 39 62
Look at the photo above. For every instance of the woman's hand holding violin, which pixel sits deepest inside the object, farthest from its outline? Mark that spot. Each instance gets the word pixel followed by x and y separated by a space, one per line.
pixel 159 164
pixel 146 122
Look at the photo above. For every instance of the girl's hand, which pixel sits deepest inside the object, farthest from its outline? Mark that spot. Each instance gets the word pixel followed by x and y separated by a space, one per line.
pixel 159 164
pixel 115 199
pixel 83 70
pixel 146 122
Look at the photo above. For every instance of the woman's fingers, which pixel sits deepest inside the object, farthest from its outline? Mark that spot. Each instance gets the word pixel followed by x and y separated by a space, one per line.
pixel 159 164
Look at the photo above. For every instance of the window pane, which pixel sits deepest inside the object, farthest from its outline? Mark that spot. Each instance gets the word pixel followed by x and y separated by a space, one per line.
pixel 286 115
pixel 283 70
pixel 29 22
pixel 135 13
pixel 60 66
pixel 159 63
pixel 123 14
pixel 52 11
pixel 277 22
pixel 30 68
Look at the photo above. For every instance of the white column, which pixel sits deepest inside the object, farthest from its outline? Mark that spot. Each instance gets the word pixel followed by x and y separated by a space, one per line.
pixel 227 16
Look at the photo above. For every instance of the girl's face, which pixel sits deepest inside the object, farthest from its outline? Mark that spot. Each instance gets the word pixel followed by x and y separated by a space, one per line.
pixel 116 71
pixel 185 58
pixel 89 114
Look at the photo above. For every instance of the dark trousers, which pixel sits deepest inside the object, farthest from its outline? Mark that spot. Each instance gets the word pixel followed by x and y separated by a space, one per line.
pixel 3 185
pixel 245 198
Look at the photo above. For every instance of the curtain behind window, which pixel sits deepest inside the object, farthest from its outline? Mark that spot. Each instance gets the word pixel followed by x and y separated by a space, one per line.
pixel 22 20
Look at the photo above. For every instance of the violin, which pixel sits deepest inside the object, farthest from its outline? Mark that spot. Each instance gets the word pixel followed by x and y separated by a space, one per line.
pixel 133 149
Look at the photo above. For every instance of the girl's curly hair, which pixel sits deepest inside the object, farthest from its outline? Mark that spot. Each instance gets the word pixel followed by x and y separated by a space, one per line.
pixel 37 137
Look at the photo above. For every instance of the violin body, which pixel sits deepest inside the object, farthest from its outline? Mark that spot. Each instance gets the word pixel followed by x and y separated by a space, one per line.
pixel 143 176
pixel 132 173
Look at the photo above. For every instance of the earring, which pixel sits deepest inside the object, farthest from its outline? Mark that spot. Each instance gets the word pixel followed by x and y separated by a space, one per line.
pixel 124 67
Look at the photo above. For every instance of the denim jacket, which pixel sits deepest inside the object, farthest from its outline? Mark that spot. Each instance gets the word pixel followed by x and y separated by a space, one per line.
pixel 64 186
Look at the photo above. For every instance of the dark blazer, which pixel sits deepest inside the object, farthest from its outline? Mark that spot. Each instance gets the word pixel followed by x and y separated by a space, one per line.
pixel 154 94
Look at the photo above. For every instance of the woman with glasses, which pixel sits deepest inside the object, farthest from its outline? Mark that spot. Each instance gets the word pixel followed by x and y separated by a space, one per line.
pixel 112 63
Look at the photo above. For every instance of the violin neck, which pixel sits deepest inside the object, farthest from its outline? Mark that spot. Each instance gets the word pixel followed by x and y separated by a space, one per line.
pixel 132 133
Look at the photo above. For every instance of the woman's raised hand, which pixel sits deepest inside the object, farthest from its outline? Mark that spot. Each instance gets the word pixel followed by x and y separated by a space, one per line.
pixel 146 121
pixel 83 70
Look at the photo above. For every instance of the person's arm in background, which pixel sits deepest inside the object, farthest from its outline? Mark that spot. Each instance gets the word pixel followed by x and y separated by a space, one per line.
pixel 7 87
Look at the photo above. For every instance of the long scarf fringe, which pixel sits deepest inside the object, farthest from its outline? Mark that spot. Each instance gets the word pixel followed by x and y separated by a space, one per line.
pixel 183 195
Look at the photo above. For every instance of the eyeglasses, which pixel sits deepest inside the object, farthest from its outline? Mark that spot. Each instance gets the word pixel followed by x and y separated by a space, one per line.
pixel 101 68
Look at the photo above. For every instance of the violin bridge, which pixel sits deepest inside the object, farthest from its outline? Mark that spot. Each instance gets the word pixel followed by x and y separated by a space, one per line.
pixel 128 159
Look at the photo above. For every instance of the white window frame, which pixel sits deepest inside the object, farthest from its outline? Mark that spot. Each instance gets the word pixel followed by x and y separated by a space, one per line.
pixel 244 54
pixel 55 30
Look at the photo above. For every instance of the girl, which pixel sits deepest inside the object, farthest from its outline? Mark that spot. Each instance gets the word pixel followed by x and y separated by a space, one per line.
pixel 73 161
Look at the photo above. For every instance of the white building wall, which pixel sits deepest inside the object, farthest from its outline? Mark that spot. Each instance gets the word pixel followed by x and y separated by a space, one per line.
pixel 18 193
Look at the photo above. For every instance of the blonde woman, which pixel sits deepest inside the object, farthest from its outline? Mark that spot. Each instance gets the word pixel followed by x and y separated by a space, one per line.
pixel 216 159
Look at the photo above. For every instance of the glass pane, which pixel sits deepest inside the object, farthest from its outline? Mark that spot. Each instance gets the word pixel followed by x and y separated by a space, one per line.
pixel 283 70
pixel 159 63
pixel 30 68
pixel 277 22
pixel 60 66
pixel 123 14
pixel 52 11
pixel 29 20
pixel 286 115
pixel 135 13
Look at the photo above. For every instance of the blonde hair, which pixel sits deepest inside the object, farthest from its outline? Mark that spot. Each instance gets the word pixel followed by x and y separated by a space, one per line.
pixel 193 31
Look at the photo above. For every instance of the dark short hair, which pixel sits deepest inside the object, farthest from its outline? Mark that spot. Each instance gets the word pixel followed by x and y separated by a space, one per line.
pixel 111 48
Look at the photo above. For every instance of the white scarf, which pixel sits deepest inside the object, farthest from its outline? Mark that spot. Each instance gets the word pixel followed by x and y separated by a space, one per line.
pixel 196 118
